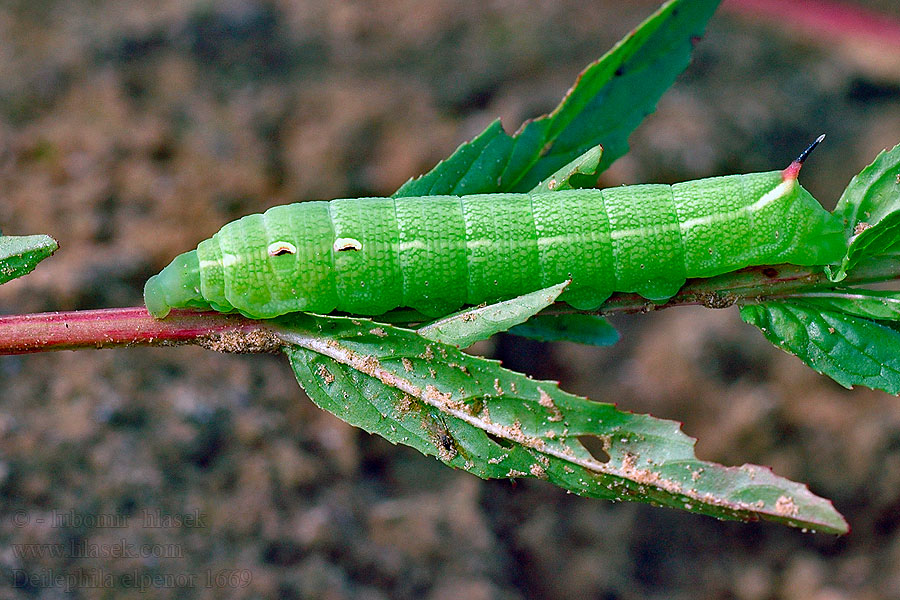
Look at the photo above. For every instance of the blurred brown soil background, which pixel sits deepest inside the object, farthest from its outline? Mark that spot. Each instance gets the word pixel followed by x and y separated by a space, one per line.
pixel 131 129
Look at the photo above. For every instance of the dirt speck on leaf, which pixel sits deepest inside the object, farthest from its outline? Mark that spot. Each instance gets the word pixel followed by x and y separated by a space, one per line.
pixel 538 471
pixel 786 507
pixel 405 404
pixel 323 372
pixel 631 471
pixel 547 402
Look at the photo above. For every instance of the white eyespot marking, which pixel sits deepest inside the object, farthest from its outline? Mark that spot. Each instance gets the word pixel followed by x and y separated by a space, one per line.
pixel 342 244
pixel 279 248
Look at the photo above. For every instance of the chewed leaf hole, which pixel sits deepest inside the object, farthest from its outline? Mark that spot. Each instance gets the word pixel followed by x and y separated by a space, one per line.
pixel 596 446
pixel 503 443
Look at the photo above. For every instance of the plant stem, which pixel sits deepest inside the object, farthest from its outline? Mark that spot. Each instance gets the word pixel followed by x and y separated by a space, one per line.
pixel 754 284
pixel 115 327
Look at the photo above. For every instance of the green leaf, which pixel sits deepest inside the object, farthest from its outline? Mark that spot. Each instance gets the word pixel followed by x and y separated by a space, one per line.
pixel 466 327
pixel 592 330
pixel 580 173
pixel 19 255
pixel 475 415
pixel 849 348
pixel 870 209
pixel 878 305
pixel 608 101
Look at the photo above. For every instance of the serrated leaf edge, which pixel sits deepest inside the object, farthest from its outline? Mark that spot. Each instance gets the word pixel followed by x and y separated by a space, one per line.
pixel 629 471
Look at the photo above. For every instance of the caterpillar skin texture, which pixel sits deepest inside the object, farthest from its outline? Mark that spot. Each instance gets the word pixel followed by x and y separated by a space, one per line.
pixel 436 254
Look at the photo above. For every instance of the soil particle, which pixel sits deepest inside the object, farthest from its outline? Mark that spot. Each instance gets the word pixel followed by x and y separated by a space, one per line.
pixel 547 402
pixel 325 374
pixel 538 471
pixel 243 342
pixel 786 507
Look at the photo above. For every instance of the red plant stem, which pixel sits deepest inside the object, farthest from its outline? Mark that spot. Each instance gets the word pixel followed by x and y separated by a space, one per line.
pixel 112 327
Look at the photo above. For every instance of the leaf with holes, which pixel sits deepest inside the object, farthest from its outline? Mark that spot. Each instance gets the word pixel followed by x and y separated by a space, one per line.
pixel 475 415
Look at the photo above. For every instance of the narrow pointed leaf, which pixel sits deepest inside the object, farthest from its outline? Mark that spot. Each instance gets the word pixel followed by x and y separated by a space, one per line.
pixel 466 327
pixel 19 255
pixel 608 101
pixel 851 349
pixel 580 173
pixel 591 330
pixel 870 208
pixel 475 415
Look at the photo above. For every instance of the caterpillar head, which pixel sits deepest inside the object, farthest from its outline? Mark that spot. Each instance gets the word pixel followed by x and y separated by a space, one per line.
pixel 176 285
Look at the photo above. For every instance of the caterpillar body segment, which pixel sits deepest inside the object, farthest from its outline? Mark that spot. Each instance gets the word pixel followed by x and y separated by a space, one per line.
pixel 438 253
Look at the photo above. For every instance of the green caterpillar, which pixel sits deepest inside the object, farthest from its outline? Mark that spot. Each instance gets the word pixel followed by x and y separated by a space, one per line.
pixel 436 254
